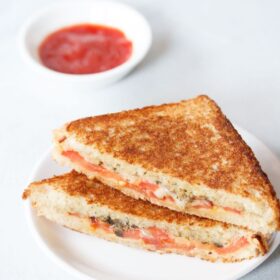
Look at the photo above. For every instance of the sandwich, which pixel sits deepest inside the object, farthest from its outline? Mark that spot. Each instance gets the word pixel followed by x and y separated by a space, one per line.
pixel 88 206
pixel 185 156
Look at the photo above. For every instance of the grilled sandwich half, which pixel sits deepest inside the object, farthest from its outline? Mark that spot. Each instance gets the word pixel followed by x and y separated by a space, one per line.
pixel 90 207
pixel 186 156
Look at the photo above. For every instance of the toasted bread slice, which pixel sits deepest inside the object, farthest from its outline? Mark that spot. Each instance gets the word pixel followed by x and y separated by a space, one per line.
pixel 186 156
pixel 89 206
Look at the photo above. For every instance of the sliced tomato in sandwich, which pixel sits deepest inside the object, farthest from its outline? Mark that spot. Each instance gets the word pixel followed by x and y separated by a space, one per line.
pixel 75 157
pixel 202 203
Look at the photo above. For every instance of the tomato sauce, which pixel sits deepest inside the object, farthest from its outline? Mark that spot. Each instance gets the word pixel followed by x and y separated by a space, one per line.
pixel 85 49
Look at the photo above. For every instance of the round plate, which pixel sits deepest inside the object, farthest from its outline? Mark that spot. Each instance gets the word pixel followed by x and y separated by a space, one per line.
pixel 92 258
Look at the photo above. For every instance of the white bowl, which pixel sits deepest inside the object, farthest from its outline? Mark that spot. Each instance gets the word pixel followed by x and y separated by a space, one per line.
pixel 114 14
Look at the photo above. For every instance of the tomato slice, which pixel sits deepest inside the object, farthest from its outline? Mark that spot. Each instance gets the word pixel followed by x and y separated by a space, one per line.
pixel 159 233
pixel 97 224
pixel 75 157
pixel 235 246
pixel 160 239
pixel 144 187
pixel 206 204
pixel 149 189
pixel 232 210
pixel 157 237
pixel 202 203
pixel 132 233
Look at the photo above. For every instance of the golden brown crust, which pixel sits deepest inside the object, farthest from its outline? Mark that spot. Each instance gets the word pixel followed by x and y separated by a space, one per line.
pixel 76 184
pixel 263 246
pixel 191 140
pixel 26 194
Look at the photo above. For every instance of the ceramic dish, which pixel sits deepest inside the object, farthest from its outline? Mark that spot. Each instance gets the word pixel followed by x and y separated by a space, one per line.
pixel 92 258
pixel 63 14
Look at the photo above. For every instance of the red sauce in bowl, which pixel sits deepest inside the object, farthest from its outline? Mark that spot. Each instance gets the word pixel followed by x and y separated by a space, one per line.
pixel 85 49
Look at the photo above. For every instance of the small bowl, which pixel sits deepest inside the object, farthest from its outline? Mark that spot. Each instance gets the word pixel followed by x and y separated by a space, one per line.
pixel 63 14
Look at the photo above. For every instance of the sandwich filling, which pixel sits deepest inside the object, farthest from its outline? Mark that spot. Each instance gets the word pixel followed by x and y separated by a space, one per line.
pixel 160 239
pixel 150 190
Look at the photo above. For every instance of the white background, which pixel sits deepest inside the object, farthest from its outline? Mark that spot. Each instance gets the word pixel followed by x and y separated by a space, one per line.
pixel 227 49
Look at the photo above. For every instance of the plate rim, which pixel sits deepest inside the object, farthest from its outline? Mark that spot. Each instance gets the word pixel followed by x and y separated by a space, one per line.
pixel 68 268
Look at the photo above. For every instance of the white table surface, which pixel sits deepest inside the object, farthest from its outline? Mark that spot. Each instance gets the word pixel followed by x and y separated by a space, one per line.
pixel 227 49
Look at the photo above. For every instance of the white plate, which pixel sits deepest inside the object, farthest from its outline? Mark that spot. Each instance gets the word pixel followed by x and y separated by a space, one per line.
pixel 89 257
